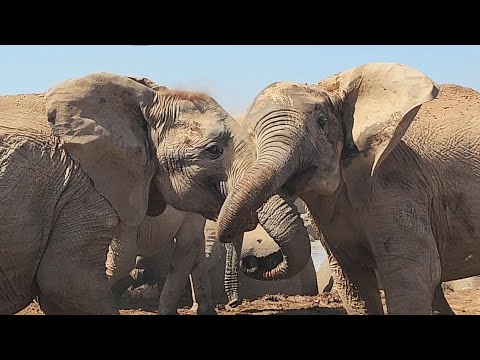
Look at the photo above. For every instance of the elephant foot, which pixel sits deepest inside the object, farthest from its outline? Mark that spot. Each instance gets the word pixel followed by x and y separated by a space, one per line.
pixel 194 308
pixel 209 310
pixel 168 313
pixel 202 310
pixel 233 304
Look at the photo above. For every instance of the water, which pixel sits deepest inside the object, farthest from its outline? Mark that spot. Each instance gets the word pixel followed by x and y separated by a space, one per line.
pixel 318 254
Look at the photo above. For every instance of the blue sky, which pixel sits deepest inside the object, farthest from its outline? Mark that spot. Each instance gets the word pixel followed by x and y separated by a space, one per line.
pixel 233 74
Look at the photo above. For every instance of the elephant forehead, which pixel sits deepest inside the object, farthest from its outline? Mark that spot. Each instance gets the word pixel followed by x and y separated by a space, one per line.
pixel 279 93
pixel 283 96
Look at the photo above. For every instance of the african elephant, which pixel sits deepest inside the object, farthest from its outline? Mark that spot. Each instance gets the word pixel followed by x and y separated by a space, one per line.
pixel 388 163
pixel 169 266
pixel 81 166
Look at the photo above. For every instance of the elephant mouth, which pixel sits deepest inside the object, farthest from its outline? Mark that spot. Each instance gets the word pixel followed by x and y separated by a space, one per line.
pixel 300 180
pixel 262 268
pixel 218 189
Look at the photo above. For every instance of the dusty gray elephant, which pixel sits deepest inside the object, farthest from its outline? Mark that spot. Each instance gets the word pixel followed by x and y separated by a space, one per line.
pixel 169 266
pixel 389 192
pixel 83 163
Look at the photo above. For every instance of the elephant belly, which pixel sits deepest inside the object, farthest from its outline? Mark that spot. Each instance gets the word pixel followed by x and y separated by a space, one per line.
pixel 458 236
pixel 460 258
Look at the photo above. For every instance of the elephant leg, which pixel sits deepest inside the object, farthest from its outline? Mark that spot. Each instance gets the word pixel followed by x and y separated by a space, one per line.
pixel 189 242
pixel 72 271
pixel 122 285
pixel 17 290
pixel 440 305
pixel 156 267
pixel 194 307
pixel 120 261
pixel 10 306
pixel 353 274
pixel 77 286
pixel 50 307
pixel 356 284
pixel 201 289
pixel 406 253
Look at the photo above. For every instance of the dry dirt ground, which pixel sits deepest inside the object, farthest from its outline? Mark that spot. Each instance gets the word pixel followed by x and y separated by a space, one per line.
pixel 465 302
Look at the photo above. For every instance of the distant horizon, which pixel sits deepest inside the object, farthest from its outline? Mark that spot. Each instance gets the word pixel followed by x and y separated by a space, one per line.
pixel 232 74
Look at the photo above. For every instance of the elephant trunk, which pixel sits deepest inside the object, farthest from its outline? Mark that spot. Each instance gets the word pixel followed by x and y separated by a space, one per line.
pixel 281 220
pixel 274 166
pixel 233 251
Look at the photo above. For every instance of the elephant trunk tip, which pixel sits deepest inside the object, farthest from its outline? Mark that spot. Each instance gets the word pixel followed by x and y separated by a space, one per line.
pixel 230 224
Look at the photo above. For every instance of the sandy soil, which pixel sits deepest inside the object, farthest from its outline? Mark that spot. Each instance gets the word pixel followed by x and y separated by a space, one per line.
pixel 465 302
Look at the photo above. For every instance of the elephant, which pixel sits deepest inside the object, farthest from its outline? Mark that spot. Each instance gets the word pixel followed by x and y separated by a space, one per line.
pixel 388 163
pixel 80 167
pixel 207 264
pixel 166 265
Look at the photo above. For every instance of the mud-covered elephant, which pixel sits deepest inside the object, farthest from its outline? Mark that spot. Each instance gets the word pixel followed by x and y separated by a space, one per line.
pixel 82 164
pixel 388 163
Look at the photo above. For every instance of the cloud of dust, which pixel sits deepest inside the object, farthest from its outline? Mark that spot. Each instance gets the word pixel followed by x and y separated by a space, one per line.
pixel 204 88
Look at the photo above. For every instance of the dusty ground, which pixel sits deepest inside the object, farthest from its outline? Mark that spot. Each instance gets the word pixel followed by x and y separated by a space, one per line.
pixel 465 302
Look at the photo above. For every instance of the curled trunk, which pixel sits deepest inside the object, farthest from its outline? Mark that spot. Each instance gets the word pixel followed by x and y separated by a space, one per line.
pixel 281 220
pixel 260 189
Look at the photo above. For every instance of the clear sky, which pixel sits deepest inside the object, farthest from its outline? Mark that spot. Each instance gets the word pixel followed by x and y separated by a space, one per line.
pixel 232 74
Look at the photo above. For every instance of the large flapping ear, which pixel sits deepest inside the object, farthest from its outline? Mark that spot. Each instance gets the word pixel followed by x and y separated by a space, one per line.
pixel 100 121
pixel 380 100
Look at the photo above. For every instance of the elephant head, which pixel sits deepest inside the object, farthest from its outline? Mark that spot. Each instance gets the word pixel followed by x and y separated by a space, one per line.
pixel 312 138
pixel 144 146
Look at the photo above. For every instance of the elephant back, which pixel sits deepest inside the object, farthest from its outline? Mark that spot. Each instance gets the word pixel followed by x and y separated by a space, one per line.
pixel 24 113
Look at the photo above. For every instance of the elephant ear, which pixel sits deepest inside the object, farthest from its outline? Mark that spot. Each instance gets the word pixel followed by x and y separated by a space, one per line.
pixel 100 121
pixel 380 101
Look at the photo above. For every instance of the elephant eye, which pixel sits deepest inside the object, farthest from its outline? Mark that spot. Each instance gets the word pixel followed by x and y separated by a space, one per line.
pixel 214 150
pixel 321 120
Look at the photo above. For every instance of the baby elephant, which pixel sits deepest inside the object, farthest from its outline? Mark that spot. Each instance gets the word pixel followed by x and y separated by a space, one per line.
pixel 213 266
pixel 171 265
